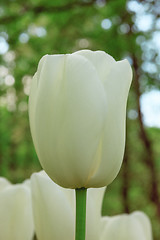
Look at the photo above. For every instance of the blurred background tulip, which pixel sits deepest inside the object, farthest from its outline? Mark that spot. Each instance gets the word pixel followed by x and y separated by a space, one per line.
pixel 134 226
pixel 54 210
pixel 16 219
pixel 77 111
pixel 54 213
pixel 3 183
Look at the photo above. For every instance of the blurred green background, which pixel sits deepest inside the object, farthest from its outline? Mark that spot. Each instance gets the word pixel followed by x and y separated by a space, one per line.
pixel 124 29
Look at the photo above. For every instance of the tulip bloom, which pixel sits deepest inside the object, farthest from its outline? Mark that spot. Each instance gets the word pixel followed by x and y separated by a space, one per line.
pixel 77 111
pixel 54 210
pixel 3 183
pixel 16 220
pixel 134 226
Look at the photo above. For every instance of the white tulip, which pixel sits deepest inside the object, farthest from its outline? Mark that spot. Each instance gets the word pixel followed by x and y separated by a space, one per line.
pixel 16 219
pixel 3 183
pixel 134 226
pixel 77 111
pixel 54 210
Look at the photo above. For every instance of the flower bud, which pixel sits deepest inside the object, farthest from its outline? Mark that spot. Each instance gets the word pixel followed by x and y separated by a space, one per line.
pixel 77 111
pixel 16 220
pixel 134 226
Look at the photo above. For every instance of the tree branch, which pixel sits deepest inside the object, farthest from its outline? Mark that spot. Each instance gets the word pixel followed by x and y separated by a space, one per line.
pixel 149 157
pixel 45 9
pixel 125 183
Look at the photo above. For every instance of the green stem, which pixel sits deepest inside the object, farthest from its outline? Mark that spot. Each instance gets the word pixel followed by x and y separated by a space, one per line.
pixel 81 194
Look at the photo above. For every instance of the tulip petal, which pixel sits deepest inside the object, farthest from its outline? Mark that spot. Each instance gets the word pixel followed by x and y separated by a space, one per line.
pixel 102 61
pixel 16 222
pixel 113 140
pixel 123 227
pixel 104 221
pixel 145 223
pixel 53 213
pixel 67 118
pixel 3 183
pixel 93 216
